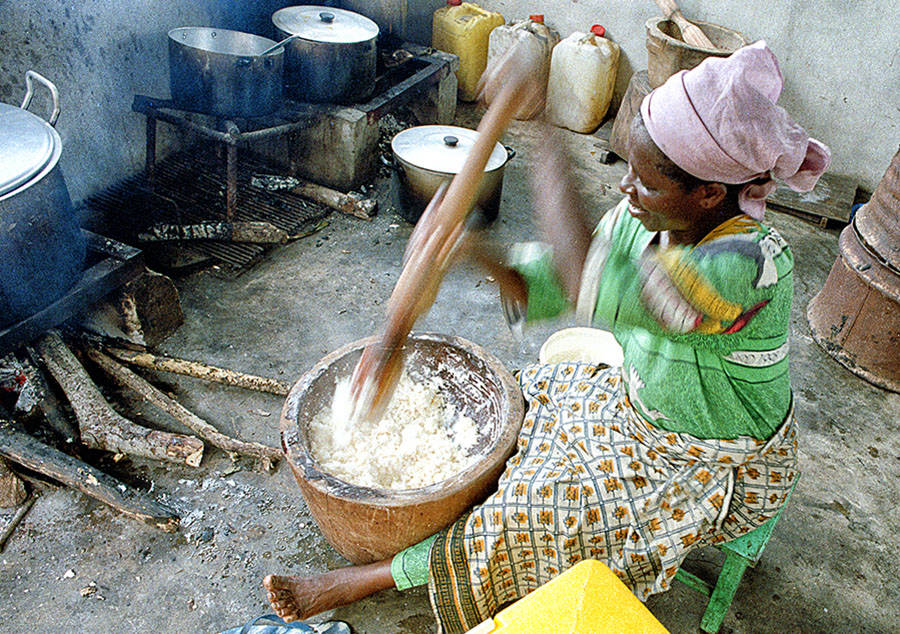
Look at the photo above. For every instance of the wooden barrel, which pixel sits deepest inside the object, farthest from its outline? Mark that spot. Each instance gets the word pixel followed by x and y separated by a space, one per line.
pixel 667 53
pixel 856 315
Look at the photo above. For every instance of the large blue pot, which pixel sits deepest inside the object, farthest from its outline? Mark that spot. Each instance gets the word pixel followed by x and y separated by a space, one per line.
pixel 42 249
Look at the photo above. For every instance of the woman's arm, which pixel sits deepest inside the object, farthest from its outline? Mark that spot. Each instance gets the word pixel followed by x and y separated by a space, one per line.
pixel 560 212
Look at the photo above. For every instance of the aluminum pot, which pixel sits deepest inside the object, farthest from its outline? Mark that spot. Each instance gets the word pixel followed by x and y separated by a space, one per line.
pixel 333 56
pixel 425 156
pixel 221 72
pixel 42 249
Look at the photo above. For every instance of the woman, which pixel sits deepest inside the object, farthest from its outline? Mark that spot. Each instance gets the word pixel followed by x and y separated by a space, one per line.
pixel 692 440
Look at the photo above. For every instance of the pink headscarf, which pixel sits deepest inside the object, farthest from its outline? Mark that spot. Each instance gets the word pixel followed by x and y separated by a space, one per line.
pixel 719 122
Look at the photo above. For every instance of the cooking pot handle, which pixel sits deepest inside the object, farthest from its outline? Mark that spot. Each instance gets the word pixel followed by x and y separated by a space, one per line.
pixel 510 152
pixel 390 162
pixel 30 78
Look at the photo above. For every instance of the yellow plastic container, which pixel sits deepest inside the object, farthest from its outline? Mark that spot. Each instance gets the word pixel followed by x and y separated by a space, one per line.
pixel 532 33
pixel 586 599
pixel 463 29
pixel 582 78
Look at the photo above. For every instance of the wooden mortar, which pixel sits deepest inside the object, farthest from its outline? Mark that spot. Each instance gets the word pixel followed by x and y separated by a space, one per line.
pixel 367 524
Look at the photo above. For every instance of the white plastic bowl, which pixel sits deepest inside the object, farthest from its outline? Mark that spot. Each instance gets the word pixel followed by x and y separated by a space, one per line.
pixel 590 345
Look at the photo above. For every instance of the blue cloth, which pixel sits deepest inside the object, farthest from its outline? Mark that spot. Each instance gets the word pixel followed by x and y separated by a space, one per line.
pixel 253 627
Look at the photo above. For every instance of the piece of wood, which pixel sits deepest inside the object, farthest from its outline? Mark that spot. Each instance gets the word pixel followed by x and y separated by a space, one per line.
pixel 102 427
pixel 267 456
pixel 12 489
pixel 25 450
pixel 145 311
pixel 19 515
pixel 350 203
pixel 690 32
pixel 199 370
pixel 832 198
pixel 257 232
pixel 49 405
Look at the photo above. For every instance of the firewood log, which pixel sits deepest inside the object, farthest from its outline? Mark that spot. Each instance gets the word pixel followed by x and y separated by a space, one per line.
pixel 25 450
pixel 267 456
pixel 102 427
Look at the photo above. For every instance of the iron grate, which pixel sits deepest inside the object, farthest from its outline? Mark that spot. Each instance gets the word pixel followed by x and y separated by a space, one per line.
pixel 189 187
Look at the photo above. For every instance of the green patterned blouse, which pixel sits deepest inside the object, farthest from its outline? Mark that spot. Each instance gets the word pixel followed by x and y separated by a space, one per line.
pixel 703 328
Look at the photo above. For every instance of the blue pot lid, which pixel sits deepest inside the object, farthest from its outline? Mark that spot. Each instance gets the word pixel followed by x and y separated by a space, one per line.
pixel 442 148
pixel 325 24
pixel 27 145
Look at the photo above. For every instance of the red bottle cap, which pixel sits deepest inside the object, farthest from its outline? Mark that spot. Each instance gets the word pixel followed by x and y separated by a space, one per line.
pixel 537 17
pixel 454 3
pixel 598 30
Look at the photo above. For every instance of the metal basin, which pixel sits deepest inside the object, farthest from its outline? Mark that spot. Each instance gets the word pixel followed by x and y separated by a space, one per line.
pixel 426 156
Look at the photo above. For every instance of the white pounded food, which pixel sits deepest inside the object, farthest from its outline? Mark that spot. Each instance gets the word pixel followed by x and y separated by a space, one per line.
pixel 419 441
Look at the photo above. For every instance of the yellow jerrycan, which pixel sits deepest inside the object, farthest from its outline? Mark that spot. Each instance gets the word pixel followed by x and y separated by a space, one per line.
pixel 588 598
pixel 582 77
pixel 463 28
pixel 532 33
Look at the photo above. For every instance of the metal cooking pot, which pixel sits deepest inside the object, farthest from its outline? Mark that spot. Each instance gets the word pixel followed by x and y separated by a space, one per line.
pixel 221 72
pixel 425 156
pixel 41 246
pixel 333 57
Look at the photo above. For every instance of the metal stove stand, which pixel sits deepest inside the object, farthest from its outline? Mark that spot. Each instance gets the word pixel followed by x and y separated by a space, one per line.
pixel 394 88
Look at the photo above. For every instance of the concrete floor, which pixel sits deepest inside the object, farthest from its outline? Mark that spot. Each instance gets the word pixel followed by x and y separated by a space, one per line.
pixel 831 565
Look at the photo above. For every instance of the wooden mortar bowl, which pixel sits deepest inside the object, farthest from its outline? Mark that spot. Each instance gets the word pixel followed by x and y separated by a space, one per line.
pixel 666 54
pixel 368 524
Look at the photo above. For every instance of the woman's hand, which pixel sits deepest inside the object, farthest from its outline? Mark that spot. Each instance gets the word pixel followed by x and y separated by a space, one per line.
pixel 513 290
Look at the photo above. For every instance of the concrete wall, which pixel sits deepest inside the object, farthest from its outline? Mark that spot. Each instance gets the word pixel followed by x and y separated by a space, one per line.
pixel 841 61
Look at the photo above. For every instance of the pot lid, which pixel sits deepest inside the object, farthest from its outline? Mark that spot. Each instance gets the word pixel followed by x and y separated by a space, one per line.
pixel 325 24
pixel 27 145
pixel 442 148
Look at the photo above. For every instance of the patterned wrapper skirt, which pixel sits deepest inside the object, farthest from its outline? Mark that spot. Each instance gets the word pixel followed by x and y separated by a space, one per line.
pixel 592 480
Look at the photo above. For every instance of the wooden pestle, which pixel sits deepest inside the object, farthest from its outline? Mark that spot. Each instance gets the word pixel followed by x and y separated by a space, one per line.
pixel 432 246
pixel 690 32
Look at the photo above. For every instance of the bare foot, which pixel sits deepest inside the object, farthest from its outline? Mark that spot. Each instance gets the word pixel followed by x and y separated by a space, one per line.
pixel 294 598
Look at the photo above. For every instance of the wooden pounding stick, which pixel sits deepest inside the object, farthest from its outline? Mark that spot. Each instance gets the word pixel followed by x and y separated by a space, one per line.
pixel 379 367
pixel 511 88
pixel 690 32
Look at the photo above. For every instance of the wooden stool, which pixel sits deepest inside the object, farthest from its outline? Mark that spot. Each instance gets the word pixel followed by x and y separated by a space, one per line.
pixel 739 554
